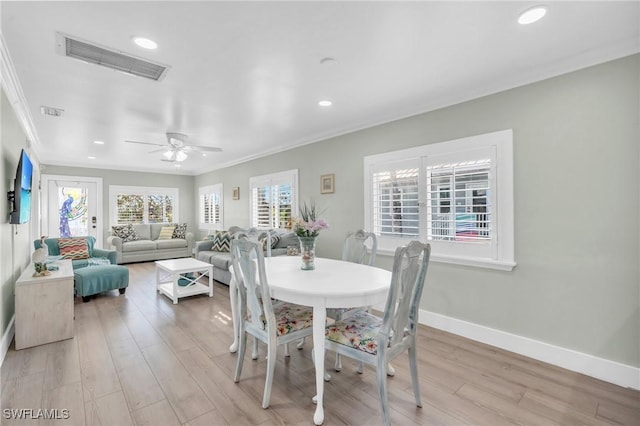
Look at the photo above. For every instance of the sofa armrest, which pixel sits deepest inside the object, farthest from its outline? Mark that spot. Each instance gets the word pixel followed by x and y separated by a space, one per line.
pixel 202 246
pixel 115 243
pixel 112 255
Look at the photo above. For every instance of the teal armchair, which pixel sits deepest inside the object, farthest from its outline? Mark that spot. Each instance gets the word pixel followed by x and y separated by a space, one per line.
pixel 94 252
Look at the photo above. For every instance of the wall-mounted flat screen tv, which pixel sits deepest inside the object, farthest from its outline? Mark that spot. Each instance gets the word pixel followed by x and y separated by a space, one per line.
pixel 21 194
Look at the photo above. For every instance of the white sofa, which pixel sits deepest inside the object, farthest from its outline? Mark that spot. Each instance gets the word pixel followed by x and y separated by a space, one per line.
pixel 148 247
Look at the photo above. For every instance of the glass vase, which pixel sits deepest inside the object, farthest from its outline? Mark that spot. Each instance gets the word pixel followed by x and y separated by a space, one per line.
pixel 308 253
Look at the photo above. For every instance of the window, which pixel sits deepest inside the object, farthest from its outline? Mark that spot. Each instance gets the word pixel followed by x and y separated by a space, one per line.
pixel 210 207
pixel 129 204
pixel 274 199
pixel 456 195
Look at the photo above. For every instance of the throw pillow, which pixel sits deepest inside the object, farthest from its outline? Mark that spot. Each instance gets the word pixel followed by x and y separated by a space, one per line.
pixel 221 241
pixel 126 232
pixel 275 238
pixel 73 248
pixel 166 232
pixel 180 231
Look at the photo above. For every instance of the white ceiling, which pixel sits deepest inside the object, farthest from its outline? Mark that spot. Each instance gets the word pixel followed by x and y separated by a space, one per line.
pixel 247 76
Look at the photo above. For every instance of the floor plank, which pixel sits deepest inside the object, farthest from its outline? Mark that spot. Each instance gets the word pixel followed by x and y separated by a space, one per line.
pixel 139 359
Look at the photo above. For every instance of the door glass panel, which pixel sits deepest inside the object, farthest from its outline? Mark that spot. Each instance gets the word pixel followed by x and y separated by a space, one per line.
pixel 74 216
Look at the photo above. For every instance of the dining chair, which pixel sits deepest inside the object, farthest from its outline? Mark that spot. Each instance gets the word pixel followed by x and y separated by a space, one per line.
pixel 270 321
pixel 376 341
pixel 263 237
pixel 359 247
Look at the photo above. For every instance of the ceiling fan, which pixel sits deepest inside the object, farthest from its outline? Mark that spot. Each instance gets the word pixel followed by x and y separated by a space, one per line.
pixel 176 148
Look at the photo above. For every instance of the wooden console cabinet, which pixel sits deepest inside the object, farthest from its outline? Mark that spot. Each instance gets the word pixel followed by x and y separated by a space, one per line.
pixel 44 306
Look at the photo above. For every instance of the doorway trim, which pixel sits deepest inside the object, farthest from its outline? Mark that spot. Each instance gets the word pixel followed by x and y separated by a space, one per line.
pixel 45 200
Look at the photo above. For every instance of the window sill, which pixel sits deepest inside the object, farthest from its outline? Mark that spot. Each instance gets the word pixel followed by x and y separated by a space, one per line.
pixel 465 261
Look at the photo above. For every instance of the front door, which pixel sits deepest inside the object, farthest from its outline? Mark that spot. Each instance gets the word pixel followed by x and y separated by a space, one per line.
pixel 72 207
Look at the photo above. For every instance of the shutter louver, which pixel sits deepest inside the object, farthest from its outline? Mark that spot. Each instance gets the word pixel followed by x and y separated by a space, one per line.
pixel 395 201
pixel 130 209
pixel 459 205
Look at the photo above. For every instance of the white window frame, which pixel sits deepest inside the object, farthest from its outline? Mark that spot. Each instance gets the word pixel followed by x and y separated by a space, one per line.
pixel 284 177
pixel 499 252
pixel 216 189
pixel 115 190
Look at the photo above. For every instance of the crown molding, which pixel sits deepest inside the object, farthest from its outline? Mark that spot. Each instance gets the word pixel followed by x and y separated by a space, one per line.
pixel 11 86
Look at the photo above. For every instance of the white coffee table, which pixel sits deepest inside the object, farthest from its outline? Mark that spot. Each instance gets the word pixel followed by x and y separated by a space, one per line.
pixel 168 272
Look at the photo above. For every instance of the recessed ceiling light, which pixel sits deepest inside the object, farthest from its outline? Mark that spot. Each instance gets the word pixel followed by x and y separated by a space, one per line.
pixel 532 15
pixel 325 103
pixel 145 43
pixel 98 142
pixel 91 157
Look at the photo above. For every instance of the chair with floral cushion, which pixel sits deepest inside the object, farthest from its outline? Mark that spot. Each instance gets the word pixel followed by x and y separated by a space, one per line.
pixel 273 322
pixel 359 247
pixel 376 341
pixel 263 237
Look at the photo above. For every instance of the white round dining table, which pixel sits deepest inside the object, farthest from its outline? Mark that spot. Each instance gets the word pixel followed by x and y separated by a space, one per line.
pixel 332 284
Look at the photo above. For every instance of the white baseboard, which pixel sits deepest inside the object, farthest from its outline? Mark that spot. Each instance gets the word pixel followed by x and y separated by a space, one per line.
pixel 600 368
pixel 7 337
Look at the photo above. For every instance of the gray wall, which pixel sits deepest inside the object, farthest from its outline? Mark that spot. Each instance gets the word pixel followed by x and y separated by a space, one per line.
pixel 15 241
pixel 120 177
pixel 577 212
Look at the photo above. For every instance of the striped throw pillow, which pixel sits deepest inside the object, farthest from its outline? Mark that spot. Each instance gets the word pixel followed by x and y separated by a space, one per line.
pixel 166 232
pixel 73 248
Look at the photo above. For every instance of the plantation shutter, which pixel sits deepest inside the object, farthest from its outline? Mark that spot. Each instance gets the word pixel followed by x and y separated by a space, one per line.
pixel 210 208
pixel 459 197
pixel 261 206
pixel 394 190
pixel 160 208
pixel 273 200
pixel 130 208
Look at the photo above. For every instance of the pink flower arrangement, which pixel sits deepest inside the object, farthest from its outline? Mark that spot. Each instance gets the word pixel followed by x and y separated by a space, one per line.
pixel 308 224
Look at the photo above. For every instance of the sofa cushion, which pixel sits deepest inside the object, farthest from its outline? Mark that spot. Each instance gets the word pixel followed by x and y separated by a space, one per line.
pixel 180 231
pixel 126 232
pixel 139 245
pixel 172 243
pixel 166 233
pixel 287 239
pixel 143 231
pixel 206 256
pixel 73 248
pixel 221 260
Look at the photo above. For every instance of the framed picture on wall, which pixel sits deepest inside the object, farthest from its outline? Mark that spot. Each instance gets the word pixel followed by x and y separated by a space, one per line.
pixel 236 192
pixel 327 184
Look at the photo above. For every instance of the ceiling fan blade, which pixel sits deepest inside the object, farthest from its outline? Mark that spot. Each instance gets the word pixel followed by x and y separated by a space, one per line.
pixel 147 143
pixel 202 148
pixel 160 150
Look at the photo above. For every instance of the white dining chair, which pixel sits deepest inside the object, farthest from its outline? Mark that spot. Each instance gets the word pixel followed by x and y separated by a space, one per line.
pixel 376 341
pixel 270 321
pixel 359 247
pixel 260 236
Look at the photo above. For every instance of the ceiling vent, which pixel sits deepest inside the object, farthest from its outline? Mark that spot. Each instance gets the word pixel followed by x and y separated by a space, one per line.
pixel 52 112
pixel 92 53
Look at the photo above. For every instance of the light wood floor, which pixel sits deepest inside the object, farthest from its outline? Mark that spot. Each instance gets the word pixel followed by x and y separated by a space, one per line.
pixel 138 359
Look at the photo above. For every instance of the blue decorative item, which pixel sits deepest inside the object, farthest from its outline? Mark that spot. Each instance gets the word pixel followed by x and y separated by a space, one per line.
pixel 65 213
